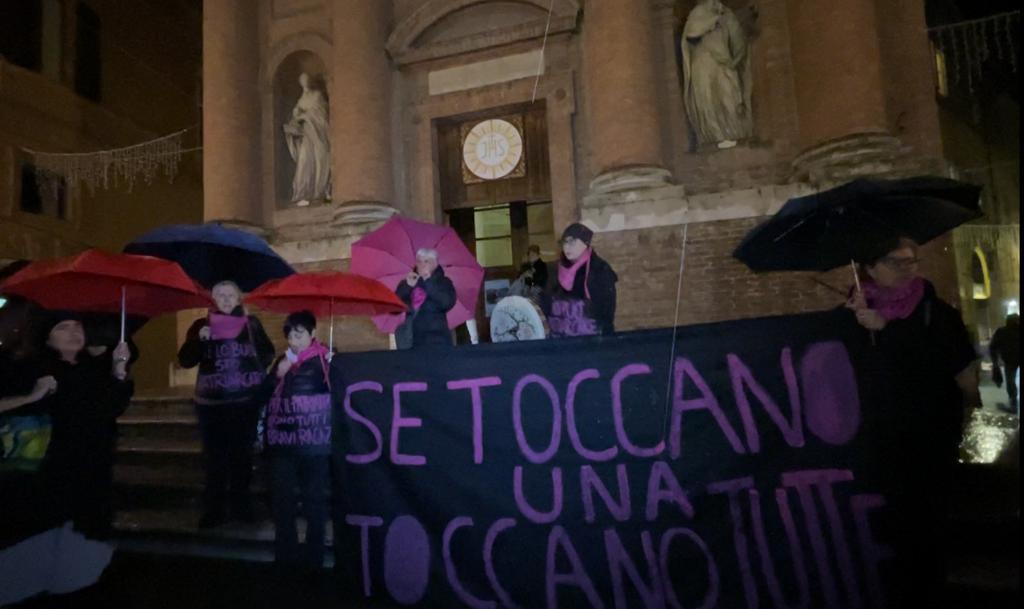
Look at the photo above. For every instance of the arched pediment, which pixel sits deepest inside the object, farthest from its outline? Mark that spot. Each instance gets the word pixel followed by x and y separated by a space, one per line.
pixel 421 35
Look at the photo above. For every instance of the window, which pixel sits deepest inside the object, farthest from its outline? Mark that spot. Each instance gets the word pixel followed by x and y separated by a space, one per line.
pixel 52 43
pixel 941 74
pixel 43 196
pixel 21 33
pixel 502 233
pixel 982 282
pixel 88 73
pixel 492 228
pixel 541 223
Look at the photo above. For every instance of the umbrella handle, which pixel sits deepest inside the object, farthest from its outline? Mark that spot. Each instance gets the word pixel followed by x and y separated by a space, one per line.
pixel 330 343
pixel 124 309
pixel 856 277
pixel 856 282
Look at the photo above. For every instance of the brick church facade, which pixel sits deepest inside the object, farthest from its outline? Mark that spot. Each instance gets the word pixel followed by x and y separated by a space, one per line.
pixel 839 90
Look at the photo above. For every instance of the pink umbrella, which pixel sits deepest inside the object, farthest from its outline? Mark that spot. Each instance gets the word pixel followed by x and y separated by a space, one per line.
pixel 389 253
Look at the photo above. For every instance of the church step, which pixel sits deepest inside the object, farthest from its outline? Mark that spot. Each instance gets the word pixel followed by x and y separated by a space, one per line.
pixel 174 532
pixel 158 427
pixel 142 487
pixel 160 454
pixel 161 406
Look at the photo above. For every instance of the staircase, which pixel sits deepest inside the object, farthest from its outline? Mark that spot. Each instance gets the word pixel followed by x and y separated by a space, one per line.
pixel 158 483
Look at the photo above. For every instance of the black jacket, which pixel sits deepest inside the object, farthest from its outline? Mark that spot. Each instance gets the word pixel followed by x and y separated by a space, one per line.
pixel 430 323
pixel 288 431
pixel 78 467
pixel 203 353
pixel 600 307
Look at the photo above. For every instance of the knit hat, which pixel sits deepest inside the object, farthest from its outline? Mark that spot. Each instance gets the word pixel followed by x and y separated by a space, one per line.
pixel 579 232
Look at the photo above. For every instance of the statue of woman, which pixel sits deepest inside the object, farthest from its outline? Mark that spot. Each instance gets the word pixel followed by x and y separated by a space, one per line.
pixel 306 135
pixel 716 71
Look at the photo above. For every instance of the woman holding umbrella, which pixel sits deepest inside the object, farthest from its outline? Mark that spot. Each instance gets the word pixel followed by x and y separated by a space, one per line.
pixel 429 295
pixel 233 352
pixel 926 336
pixel 921 345
pixel 86 396
pixel 299 447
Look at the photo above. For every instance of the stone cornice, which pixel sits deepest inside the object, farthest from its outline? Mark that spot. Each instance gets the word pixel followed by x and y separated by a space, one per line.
pixel 671 206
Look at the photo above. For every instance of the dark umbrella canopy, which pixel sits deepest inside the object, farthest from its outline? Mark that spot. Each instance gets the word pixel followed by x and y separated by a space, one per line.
pixel 211 253
pixel 826 230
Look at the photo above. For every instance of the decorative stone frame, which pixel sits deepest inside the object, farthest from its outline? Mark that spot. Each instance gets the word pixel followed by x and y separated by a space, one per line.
pixel 311 42
pixel 401 43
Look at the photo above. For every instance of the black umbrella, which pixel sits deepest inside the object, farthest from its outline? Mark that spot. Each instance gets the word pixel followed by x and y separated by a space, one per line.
pixel 211 253
pixel 828 229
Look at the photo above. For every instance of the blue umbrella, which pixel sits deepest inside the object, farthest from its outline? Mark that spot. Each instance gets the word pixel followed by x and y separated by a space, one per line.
pixel 211 253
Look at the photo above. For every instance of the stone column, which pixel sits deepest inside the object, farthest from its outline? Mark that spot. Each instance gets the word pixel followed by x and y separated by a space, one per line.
pixel 840 92
pixel 361 103
pixel 619 82
pixel 231 112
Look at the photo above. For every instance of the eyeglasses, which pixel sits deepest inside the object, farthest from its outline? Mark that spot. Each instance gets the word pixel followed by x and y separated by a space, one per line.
pixel 900 263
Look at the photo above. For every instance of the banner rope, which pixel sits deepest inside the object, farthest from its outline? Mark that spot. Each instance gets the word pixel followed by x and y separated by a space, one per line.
pixel 543 47
pixel 675 328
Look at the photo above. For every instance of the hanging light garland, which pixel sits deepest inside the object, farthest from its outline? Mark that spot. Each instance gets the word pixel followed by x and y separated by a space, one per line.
pixel 106 168
pixel 967 45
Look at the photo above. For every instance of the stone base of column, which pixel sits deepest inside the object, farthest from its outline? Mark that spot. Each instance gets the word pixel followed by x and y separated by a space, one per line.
pixel 630 178
pixel 357 212
pixel 243 225
pixel 867 154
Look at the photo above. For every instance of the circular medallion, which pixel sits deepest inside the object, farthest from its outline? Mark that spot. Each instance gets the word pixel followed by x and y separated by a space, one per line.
pixel 515 318
pixel 492 149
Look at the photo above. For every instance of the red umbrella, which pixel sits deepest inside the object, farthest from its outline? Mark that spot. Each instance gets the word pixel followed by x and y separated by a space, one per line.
pixel 97 281
pixel 389 253
pixel 327 293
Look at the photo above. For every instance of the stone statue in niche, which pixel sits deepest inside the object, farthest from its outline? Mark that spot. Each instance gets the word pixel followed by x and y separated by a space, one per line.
pixel 716 73
pixel 309 146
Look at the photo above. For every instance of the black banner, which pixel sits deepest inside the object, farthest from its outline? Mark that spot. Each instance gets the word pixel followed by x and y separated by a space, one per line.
pixel 745 465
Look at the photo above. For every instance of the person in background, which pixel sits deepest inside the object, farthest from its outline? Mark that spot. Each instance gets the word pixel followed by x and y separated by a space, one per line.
pixel 581 299
pixel 1005 352
pixel 298 442
pixel 535 270
pixel 233 352
pixel 429 295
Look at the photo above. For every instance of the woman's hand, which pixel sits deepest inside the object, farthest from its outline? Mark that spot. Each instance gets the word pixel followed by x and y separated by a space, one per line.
pixel 866 316
pixel 204 333
pixel 870 319
pixel 45 385
pixel 283 367
pixel 412 278
pixel 120 357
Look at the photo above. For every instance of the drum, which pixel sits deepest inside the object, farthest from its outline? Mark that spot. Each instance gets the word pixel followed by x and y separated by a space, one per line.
pixel 515 318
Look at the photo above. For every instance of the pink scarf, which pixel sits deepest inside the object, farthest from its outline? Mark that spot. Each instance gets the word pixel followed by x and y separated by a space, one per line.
pixel 419 296
pixel 567 274
pixel 894 303
pixel 315 349
pixel 224 327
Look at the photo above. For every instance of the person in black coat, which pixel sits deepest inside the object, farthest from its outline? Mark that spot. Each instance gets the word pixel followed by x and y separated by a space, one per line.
pixel 87 396
pixel 535 270
pixel 580 298
pixel 920 354
pixel 298 442
pixel 233 352
pixel 1005 352
pixel 429 295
